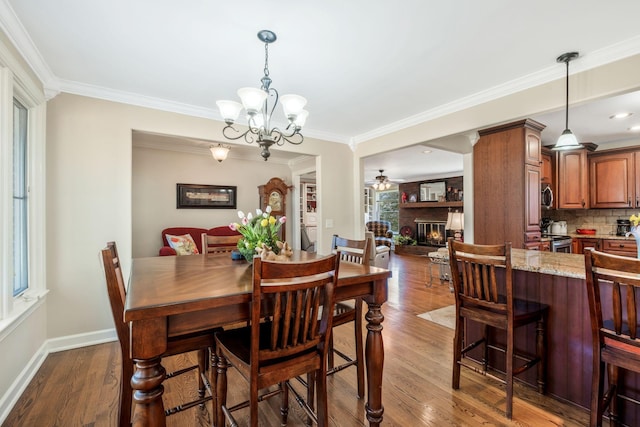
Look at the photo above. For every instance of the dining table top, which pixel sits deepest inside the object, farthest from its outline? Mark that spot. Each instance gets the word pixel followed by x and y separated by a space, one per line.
pixel 164 285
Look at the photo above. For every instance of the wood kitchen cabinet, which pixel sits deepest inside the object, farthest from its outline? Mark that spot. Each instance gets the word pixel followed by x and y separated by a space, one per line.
pixel 626 248
pixel 573 178
pixel 546 168
pixel 614 179
pixel 579 245
pixel 506 170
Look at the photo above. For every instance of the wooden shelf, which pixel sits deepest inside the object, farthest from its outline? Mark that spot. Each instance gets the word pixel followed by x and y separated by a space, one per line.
pixel 431 205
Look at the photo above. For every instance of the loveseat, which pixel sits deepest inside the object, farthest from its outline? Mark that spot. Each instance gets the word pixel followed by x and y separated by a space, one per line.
pixel 196 236
pixel 381 232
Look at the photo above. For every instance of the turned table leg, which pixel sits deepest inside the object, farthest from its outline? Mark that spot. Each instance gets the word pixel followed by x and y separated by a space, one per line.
pixel 147 395
pixel 374 356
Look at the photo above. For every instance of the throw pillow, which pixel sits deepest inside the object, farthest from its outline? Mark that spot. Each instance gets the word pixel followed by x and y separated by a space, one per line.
pixel 183 245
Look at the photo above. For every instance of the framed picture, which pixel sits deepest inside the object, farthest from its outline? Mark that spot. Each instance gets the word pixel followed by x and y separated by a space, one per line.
pixel 194 196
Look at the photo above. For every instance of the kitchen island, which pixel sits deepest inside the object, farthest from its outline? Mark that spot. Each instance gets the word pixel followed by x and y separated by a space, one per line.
pixel 558 279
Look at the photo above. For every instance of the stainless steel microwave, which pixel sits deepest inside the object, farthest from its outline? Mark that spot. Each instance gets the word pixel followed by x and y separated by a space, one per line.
pixel 546 198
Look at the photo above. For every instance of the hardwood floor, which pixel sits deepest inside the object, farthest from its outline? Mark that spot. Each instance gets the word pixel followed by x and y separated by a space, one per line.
pixel 80 387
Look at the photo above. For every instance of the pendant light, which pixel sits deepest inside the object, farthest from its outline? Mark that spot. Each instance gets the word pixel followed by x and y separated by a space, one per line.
pixel 567 140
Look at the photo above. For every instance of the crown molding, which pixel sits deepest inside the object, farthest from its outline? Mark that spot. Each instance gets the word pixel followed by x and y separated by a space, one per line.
pixel 16 32
pixel 595 59
pixel 53 85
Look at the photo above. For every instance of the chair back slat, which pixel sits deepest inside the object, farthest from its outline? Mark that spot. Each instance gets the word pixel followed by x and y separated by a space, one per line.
pixel 612 282
pixel 302 300
pixel 632 313
pixel 219 244
pixel 473 271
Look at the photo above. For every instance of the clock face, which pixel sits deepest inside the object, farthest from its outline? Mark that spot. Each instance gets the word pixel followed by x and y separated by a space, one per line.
pixel 275 201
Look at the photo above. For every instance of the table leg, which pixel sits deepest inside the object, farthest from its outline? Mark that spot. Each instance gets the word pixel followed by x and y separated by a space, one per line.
pixel 147 395
pixel 374 356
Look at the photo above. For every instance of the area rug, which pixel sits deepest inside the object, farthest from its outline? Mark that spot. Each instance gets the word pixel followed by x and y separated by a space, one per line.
pixel 445 316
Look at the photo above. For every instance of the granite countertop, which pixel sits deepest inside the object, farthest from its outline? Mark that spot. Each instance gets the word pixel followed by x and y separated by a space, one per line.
pixel 554 263
pixel 599 236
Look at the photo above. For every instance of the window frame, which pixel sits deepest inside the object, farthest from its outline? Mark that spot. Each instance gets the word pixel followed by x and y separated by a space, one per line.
pixel 379 211
pixel 16 82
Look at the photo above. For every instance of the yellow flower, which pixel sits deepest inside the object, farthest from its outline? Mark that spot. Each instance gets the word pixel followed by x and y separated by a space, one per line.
pixel 635 220
pixel 272 220
pixel 264 222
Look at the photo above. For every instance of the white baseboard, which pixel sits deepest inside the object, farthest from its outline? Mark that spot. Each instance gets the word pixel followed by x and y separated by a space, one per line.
pixel 80 340
pixel 14 392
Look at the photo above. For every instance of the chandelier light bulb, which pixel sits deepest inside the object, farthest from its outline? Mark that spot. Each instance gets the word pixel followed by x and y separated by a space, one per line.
pixel 252 99
pixel 229 110
pixel 301 118
pixel 292 105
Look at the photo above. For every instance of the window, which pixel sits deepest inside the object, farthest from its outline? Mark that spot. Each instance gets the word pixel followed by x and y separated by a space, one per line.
pixel 20 208
pixel 387 207
pixel 22 193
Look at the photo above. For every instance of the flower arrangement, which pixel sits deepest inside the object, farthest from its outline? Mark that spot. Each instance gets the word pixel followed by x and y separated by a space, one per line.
pixel 635 220
pixel 257 231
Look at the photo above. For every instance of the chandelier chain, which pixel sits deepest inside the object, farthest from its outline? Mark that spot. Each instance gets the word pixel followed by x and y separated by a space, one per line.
pixel 266 59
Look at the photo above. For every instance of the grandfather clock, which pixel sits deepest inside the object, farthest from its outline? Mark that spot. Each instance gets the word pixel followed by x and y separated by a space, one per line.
pixel 274 194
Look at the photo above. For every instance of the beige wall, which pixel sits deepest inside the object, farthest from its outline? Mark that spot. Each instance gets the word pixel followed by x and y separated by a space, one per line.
pixel 89 176
pixel 156 173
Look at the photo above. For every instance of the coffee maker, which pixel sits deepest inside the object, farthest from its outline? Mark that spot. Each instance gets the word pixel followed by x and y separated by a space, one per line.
pixel 624 226
pixel 545 225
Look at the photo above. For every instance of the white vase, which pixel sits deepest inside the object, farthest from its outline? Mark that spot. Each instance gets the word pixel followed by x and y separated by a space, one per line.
pixel 635 232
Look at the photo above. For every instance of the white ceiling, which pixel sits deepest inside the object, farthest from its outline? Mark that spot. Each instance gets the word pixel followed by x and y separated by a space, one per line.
pixel 367 68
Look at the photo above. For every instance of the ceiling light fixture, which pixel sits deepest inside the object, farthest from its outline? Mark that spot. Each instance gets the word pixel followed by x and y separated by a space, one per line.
pixel 382 182
pixel 567 140
pixel 620 116
pixel 219 152
pixel 256 104
pixel 635 128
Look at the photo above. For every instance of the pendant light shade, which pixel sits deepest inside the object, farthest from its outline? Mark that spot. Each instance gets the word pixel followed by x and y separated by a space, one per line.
pixel 567 140
pixel 219 152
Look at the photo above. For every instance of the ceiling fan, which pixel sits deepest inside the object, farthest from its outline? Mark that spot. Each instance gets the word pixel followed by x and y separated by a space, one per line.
pixel 382 182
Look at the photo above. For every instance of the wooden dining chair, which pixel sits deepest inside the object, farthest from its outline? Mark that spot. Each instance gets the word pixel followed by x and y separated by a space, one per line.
pixel 201 342
pixel 612 287
pixel 219 244
pixel 356 251
pixel 297 297
pixel 480 297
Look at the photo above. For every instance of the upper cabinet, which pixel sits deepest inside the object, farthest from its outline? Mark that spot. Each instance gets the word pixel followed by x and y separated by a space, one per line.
pixel 614 179
pixel 506 184
pixel 546 169
pixel 573 178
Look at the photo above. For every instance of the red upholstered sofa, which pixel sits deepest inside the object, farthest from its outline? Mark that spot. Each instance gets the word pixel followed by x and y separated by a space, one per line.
pixel 196 235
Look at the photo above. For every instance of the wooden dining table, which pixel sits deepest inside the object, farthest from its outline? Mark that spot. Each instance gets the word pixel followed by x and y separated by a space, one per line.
pixel 176 295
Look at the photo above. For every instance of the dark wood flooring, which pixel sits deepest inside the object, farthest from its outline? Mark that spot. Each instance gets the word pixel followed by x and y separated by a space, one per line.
pixel 80 387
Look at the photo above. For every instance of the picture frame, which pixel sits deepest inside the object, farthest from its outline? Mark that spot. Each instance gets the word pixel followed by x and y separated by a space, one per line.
pixel 197 196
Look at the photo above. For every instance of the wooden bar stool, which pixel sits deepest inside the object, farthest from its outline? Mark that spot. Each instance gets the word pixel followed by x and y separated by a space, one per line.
pixel 612 283
pixel 478 298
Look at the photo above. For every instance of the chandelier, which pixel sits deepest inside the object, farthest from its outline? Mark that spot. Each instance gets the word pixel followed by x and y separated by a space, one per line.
pixel 382 182
pixel 256 103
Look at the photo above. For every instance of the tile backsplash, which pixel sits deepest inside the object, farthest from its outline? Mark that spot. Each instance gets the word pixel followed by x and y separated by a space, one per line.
pixel 603 220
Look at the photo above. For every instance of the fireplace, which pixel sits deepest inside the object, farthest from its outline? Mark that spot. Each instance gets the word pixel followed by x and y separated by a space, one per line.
pixel 430 233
